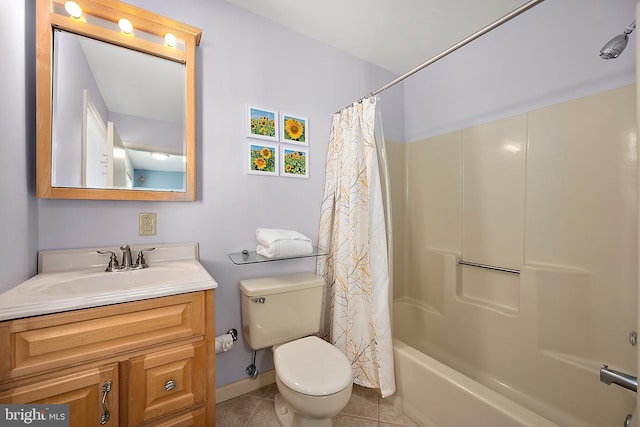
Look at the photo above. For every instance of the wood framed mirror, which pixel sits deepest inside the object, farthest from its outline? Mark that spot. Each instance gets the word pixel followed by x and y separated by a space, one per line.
pixel 115 108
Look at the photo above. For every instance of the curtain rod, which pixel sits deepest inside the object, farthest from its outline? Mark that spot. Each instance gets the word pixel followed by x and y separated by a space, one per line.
pixel 457 46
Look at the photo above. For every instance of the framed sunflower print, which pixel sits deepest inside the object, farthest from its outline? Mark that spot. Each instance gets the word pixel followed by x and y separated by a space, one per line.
pixel 294 129
pixel 262 123
pixel 261 158
pixel 294 162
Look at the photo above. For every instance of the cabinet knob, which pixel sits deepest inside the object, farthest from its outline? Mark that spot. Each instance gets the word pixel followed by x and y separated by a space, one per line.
pixel 170 385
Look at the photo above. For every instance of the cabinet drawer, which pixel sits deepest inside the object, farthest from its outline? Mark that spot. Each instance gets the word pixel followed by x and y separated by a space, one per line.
pixel 195 418
pixel 82 391
pixel 34 345
pixel 166 381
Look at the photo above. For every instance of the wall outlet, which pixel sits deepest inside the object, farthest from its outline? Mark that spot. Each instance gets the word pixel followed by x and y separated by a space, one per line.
pixel 147 224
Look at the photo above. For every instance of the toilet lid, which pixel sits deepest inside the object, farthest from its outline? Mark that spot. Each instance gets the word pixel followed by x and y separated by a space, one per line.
pixel 312 366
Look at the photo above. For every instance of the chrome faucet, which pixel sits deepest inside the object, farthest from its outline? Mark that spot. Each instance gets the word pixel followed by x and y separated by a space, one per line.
pixel 609 376
pixel 127 262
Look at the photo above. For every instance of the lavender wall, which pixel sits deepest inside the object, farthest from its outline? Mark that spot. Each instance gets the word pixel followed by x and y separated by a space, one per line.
pixel 547 55
pixel 18 210
pixel 71 77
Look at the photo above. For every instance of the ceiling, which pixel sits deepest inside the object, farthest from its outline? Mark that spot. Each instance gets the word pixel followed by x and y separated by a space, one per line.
pixel 395 35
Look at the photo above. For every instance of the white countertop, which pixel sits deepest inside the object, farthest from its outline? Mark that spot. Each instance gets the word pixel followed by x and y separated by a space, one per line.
pixel 75 279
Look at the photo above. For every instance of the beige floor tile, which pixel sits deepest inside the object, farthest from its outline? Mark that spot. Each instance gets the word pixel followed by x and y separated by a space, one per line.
pixel 363 403
pixel 365 409
pixel 237 411
pixel 349 421
pixel 264 415
pixel 387 413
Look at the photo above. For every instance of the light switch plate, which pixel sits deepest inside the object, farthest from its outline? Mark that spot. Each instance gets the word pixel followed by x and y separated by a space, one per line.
pixel 147 224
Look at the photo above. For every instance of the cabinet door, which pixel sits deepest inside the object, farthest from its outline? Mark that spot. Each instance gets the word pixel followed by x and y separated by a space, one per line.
pixel 195 418
pixel 166 381
pixel 83 391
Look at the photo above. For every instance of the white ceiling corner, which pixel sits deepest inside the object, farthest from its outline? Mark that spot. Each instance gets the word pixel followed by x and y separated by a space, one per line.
pixel 395 35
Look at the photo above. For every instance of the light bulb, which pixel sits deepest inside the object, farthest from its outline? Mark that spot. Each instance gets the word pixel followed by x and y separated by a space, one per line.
pixel 119 153
pixel 125 25
pixel 170 40
pixel 160 156
pixel 73 9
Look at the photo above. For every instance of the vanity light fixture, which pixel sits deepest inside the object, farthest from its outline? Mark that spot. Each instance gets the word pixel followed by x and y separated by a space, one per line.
pixel 170 40
pixel 125 25
pixel 73 9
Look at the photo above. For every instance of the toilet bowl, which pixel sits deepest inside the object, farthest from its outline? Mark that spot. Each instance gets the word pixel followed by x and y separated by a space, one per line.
pixel 314 378
pixel 314 382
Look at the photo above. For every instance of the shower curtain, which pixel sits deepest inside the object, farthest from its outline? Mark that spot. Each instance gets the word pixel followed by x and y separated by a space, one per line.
pixel 353 230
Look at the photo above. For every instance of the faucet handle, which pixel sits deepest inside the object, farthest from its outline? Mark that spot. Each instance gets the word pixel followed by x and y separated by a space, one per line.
pixel 113 260
pixel 140 262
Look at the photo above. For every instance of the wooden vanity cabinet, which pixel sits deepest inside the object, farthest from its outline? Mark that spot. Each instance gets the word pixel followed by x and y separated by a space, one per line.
pixel 82 391
pixel 156 358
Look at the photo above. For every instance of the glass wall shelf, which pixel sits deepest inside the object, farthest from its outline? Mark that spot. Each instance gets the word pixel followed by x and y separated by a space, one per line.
pixel 251 257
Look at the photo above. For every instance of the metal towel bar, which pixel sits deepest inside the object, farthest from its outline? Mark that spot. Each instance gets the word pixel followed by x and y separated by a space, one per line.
pixel 489 267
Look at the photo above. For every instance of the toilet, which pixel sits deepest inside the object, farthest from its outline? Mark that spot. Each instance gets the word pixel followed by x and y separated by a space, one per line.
pixel 314 378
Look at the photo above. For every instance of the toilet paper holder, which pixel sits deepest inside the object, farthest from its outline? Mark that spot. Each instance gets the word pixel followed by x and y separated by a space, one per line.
pixel 233 333
pixel 225 342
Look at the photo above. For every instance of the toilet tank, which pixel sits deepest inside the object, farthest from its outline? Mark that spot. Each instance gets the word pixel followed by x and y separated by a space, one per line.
pixel 280 309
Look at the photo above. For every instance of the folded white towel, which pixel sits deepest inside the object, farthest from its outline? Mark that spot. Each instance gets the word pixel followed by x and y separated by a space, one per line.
pixel 285 249
pixel 267 236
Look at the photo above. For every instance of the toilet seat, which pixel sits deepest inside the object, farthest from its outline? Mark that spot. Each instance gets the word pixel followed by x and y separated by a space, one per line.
pixel 312 366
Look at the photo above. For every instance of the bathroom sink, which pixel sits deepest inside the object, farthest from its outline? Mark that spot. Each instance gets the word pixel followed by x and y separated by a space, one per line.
pixel 75 279
pixel 76 283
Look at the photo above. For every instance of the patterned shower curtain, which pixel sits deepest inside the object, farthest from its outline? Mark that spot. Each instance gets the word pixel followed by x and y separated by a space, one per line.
pixel 353 232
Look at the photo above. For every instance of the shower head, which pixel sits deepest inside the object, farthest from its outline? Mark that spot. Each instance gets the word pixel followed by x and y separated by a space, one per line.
pixel 616 45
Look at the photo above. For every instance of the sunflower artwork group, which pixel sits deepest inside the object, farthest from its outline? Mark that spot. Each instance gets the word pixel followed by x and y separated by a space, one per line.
pixel 264 158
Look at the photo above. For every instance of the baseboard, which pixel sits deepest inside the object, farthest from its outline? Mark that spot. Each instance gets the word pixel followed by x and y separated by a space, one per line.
pixel 246 385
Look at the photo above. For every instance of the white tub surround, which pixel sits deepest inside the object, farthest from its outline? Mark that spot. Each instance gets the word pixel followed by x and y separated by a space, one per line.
pixel 76 278
pixel 522 192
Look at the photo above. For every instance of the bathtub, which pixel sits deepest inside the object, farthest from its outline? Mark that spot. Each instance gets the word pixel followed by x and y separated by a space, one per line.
pixel 505 350
pixel 434 395
pixel 437 388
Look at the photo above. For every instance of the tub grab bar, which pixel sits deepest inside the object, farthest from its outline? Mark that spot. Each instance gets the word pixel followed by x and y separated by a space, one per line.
pixel 609 376
pixel 490 267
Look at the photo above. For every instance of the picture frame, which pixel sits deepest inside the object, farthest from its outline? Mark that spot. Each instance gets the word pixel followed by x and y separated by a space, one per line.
pixel 262 158
pixel 294 129
pixel 262 123
pixel 294 162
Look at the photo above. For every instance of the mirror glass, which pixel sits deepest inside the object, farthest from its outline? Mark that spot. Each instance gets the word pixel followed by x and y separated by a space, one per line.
pixel 118 117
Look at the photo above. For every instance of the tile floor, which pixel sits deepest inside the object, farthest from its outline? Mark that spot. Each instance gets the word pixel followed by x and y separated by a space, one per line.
pixel 255 409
